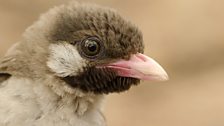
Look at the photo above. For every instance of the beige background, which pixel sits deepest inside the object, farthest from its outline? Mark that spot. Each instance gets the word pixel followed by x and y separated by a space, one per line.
pixel 185 36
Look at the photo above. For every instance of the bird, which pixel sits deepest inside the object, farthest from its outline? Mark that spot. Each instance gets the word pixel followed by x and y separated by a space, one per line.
pixel 67 62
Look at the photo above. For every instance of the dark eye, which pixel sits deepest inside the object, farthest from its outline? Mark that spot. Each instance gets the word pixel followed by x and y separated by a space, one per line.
pixel 91 47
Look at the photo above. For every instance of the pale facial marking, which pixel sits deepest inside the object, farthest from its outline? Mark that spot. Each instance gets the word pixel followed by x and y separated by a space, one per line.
pixel 65 60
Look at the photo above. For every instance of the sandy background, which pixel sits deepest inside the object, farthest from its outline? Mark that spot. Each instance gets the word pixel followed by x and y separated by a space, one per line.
pixel 185 36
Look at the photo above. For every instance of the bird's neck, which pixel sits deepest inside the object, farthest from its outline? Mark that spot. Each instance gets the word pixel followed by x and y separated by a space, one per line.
pixel 74 99
pixel 43 105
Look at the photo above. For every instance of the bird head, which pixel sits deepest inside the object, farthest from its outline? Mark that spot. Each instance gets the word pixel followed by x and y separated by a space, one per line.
pixel 93 49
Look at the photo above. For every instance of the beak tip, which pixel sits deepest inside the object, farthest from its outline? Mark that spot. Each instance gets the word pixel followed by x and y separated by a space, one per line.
pixel 164 76
pixel 160 77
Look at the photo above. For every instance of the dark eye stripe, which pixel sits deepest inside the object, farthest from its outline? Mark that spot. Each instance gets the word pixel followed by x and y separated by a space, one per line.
pixel 100 81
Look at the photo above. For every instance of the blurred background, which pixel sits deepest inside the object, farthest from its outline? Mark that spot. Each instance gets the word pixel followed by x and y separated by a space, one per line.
pixel 185 36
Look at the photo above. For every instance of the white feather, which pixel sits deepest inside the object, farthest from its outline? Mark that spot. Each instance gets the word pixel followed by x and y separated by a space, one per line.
pixel 65 59
pixel 24 102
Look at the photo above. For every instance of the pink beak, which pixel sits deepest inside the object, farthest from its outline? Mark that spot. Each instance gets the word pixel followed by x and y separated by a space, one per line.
pixel 141 67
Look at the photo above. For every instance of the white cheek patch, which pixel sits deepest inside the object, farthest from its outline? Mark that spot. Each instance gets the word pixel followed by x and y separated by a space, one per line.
pixel 65 60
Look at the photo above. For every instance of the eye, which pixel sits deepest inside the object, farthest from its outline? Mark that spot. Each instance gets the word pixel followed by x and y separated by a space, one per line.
pixel 91 47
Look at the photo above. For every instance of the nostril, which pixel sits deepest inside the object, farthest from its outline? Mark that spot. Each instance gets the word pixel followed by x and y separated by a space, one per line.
pixel 142 57
pixel 136 58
